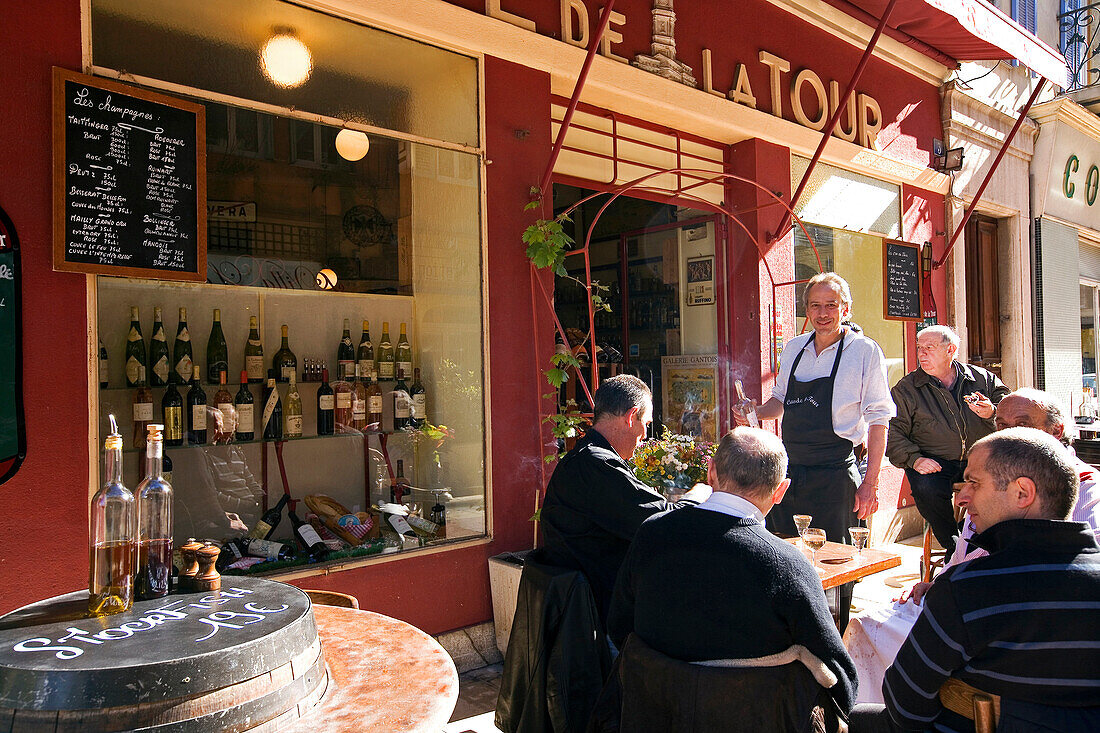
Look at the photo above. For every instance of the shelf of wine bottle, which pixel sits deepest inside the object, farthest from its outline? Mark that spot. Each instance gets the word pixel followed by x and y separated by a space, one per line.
pixel 408 434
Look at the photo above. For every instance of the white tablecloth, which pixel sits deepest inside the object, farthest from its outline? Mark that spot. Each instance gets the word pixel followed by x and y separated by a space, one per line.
pixel 873 639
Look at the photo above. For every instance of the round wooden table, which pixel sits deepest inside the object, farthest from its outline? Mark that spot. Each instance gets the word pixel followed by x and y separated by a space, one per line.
pixel 385 676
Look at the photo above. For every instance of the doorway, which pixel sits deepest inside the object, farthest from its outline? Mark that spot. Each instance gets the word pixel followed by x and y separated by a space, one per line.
pixel 983 297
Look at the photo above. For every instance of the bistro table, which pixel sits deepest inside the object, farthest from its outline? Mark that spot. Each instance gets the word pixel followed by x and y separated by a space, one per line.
pixel 837 564
pixel 255 655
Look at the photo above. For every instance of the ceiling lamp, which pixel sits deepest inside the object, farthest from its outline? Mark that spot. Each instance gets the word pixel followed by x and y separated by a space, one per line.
pixel 285 60
pixel 352 145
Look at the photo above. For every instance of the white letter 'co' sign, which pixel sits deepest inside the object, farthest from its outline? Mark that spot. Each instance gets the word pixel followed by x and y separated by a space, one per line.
pixel 13 435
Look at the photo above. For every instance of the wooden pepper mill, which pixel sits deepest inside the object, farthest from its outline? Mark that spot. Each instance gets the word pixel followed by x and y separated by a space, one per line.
pixel 185 583
pixel 208 578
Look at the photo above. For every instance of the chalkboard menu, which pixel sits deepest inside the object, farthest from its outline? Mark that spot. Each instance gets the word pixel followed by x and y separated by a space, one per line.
pixel 129 180
pixel 901 281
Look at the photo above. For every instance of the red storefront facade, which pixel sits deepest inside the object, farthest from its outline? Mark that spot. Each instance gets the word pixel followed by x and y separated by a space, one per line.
pixel 731 48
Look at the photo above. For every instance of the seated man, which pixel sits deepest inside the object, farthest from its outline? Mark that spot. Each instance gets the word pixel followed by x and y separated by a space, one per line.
pixel 594 502
pixel 1020 623
pixel 710 582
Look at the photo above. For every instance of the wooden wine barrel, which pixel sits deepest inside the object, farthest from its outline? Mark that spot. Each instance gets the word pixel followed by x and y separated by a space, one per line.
pixel 241 658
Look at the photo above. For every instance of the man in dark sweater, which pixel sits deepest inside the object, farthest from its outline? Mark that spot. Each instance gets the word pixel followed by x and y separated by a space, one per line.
pixel 710 582
pixel 594 503
pixel 1020 623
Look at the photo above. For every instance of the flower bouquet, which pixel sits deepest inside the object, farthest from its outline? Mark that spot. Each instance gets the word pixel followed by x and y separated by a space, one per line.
pixel 672 463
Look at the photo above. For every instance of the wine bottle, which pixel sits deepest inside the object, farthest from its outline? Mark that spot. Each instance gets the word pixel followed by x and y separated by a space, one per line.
pixel 404 355
pixel 224 402
pixel 272 422
pixel 181 351
pixel 345 354
pixel 438 517
pixel 326 407
pixel 386 363
pixel 343 392
pixel 143 413
pixel 358 401
pixel 135 352
pixel 112 524
pixel 232 551
pixel 266 549
pixel 245 406
pixel 104 363
pixel 402 411
pixel 196 411
pixel 217 353
pixel 374 403
pixel 284 362
pixel 154 521
pixel 171 411
pixel 365 355
pixel 419 396
pixel 308 538
pixel 158 352
pixel 266 524
pixel 292 411
pixel 400 486
pixel 254 352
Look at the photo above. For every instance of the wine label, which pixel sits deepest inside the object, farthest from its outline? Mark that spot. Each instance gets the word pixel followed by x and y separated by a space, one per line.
pixel 406 368
pixel 133 335
pixel 343 400
pixel 366 368
pixel 161 369
pixel 423 524
pixel 375 403
pixel 419 406
pixel 308 535
pixel 254 365
pixel 385 370
pixel 400 524
pixel 401 405
pixel 358 409
pixel 135 372
pixel 260 530
pixel 228 415
pixel 294 426
pixel 264 548
pixel 286 371
pixel 246 415
pixel 185 367
pixel 326 402
pixel 173 423
pixel 269 408
pixel 346 368
pixel 143 412
pixel 198 417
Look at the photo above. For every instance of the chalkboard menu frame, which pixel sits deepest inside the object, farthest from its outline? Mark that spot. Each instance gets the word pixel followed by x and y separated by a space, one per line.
pixel 890 313
pixel 134 233
pixel 13 427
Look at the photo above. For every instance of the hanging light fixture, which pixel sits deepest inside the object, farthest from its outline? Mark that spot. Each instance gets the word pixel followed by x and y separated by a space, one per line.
pixel 352 145
pixel 285 60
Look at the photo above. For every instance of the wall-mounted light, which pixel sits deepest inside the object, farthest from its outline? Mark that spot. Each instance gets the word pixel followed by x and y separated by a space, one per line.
pixel 952 160
pixel 926 259
pixel 352 145
pixel 285 60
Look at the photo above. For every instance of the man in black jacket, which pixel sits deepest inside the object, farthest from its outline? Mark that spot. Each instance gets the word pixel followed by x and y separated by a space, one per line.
pixel 944 407
pixel 711 582
pixel 594 502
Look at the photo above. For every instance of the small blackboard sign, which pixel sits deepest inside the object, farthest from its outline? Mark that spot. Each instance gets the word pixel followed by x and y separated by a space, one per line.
pixel 129 180
pixel 901 281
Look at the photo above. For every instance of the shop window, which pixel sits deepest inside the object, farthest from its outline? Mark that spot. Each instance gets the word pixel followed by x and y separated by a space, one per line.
pixel 1089 310
pixel 303 239
pixel 858 259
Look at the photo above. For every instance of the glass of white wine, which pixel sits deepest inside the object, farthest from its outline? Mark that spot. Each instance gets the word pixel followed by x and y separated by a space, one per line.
pixel 801 522
pixel 859 538
pixel 815 539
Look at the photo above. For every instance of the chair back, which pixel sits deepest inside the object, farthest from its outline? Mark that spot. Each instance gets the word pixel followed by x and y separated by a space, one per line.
pixel 971 703
pixel 331 598
pixel 662 693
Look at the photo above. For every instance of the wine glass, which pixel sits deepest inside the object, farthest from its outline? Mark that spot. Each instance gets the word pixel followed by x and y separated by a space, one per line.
pixel 815 538
pixel 859 537
pixel 801 522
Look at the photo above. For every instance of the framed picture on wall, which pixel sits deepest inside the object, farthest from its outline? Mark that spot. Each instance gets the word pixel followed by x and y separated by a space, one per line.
pixel 690 395
pixel 700 280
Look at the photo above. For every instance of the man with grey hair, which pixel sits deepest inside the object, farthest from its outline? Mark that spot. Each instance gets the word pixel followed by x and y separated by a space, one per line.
pixel 943 407
pixel 594 503
pixel 1019 623
pixel 711 582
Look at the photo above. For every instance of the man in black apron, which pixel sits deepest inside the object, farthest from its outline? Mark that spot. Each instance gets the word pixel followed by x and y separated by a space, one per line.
pixel 834 402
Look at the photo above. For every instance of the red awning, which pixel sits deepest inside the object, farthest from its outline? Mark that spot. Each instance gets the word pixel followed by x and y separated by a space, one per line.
pixel 961 30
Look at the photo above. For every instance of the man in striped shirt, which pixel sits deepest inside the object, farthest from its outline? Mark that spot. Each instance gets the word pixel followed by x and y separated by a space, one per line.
pixel 1021 623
